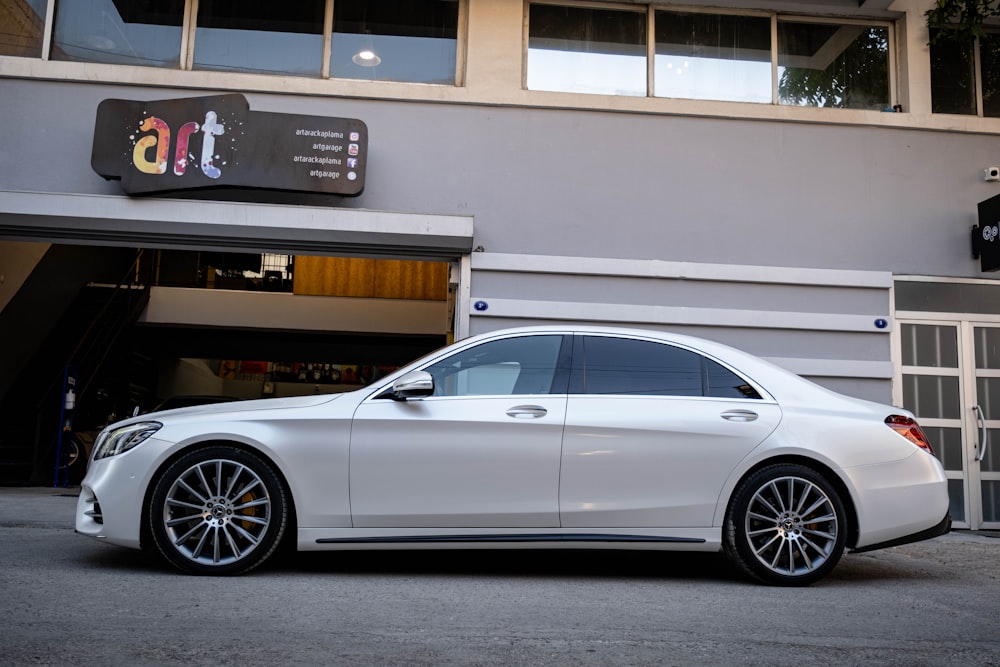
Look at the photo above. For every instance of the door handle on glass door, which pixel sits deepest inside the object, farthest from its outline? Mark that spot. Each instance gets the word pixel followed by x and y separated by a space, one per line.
pixel 983 433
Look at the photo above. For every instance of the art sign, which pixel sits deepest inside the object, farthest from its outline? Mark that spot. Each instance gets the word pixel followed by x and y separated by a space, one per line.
pixel 203 142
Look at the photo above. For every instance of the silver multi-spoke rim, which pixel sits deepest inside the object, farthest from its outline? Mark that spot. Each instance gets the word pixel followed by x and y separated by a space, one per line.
pixel 791 525
pixel 216 512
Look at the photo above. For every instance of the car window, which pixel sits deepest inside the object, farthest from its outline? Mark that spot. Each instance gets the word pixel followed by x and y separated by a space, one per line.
pixel 612 365
pixel 518 365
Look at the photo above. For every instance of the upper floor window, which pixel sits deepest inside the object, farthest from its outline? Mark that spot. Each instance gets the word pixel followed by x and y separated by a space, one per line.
pixel 710 56
pixel 126 33
pixel 577 50
pixel 260 36
pixel 388 40
pixel 713 57
pixel 843 66
pixel 22 26
pixel 965 76
pixel 402 40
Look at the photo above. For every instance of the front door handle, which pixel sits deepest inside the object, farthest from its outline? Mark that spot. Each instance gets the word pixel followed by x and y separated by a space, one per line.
pixel 527 412
pixel 740 415
pixel 983 433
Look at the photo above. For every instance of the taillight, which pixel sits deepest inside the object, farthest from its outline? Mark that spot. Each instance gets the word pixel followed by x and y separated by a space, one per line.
pixel 909 429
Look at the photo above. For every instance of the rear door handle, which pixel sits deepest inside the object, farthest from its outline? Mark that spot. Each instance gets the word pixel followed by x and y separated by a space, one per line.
pixel 527 412
pixel 740 415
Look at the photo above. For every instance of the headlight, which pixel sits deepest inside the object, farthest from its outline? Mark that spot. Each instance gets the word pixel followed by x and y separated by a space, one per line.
pixel 123 438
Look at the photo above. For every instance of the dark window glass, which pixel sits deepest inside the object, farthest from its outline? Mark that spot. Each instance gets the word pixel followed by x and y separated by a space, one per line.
pixel 395 40
pixel 953 76
pixel 624 366
pixel 833 65
pixel 260 36
pixel 521 365
pixel 720 382
pixel 132 32
pixel 582 50
pixel 989 56
pixel 713 57
pixel 21 26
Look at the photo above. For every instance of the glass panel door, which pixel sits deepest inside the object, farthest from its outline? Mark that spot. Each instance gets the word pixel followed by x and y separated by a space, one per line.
pixel 932 390
pixel 986 465
pixel 950 378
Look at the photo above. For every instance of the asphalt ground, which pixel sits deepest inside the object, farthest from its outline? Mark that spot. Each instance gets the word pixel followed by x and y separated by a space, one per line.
pixel 70 600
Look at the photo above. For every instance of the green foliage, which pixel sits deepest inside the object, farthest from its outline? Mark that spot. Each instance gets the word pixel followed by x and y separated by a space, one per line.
pixel 962 19
pixel 858 78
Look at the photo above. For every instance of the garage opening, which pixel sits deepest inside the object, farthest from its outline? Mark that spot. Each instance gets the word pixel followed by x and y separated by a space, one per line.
pixel 127 329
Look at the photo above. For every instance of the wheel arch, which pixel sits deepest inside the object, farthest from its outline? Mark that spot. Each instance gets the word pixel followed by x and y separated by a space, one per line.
pixel 820 468
pixel 145 536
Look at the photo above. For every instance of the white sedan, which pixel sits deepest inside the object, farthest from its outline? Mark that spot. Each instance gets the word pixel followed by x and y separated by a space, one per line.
pixel 540 437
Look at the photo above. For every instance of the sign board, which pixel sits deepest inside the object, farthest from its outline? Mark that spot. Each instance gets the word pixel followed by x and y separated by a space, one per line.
pixel 986 237
pixel 204 142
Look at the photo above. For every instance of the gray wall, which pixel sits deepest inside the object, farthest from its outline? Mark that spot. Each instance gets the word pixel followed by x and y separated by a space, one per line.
pixel 581 183
pixel 586 184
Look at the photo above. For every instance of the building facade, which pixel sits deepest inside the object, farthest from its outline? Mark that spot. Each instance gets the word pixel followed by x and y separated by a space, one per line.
pixel 797 178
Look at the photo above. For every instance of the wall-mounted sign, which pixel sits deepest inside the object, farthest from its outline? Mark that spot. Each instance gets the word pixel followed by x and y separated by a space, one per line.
pixel 203 142
pixel 986 237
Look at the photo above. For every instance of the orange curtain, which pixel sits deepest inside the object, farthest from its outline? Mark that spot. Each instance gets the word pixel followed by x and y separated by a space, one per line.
pixel 378 278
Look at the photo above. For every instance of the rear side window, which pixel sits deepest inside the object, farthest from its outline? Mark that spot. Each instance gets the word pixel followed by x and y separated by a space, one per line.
pixel 610 365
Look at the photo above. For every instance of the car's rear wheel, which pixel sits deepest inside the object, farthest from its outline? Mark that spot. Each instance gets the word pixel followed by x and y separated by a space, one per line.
pixel 785 525
pixel 218 510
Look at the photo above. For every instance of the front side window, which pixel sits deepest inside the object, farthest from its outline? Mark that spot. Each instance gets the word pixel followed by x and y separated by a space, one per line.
pixel 260 36
pixel 145 32
pixel 510 366
pixel 583 50
pixel 713 57
pixel 609 365
pixel 395 40
pixel 22 24
pixel 833 65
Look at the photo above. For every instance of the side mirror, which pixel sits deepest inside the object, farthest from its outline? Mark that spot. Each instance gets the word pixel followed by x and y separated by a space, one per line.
pixel 413 385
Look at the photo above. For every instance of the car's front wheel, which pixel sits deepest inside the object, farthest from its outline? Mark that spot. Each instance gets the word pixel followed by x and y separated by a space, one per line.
pixel 785 525
pixel 218 510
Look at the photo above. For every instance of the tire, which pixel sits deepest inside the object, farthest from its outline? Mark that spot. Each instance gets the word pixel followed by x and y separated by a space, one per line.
pixel 218 510
pixel 785 526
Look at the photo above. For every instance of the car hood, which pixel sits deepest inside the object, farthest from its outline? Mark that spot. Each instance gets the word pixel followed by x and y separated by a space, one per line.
pixel 243 406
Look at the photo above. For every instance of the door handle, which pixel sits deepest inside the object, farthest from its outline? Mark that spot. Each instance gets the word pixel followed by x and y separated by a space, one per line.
pixel 983 433
pixel 740 415
pixel 527 412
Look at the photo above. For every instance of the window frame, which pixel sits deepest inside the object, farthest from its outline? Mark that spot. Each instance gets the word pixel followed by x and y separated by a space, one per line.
pixel 994 30
pixel 775 17
pixel 189 29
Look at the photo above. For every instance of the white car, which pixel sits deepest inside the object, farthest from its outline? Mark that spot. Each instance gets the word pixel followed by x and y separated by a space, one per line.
pixel 538 437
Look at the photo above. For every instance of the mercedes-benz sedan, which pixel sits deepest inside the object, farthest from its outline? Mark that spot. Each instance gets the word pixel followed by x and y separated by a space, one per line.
pixel 541 437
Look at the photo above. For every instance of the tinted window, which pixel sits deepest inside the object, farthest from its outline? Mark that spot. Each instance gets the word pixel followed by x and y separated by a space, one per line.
pixel 624 366
pixel 127 33
pixel 395 40
pixel 522 365
pixel 720 382
pixel 585 50
pixel 260 36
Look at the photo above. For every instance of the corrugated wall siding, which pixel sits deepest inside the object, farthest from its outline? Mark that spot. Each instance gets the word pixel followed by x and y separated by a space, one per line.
pixel 831 326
